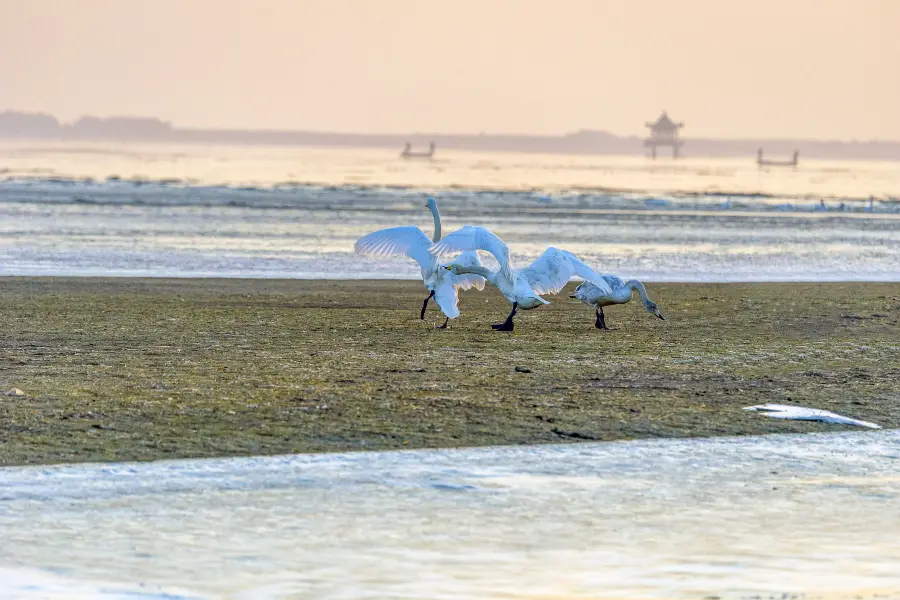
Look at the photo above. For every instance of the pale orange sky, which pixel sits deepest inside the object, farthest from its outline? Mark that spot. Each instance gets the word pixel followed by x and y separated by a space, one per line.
pixel 728 68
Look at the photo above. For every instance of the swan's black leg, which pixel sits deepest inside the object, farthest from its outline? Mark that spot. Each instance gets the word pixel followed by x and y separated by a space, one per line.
pixel 444 326
pixel 601 320
pixel 425 305
pixel 507 325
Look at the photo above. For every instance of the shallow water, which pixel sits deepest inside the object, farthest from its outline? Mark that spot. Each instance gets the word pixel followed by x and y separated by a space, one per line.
pixel 239 212
pixel 732 517
pixel 244 165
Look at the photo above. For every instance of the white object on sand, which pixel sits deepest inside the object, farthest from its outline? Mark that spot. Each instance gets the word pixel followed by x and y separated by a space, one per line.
pixel 802 413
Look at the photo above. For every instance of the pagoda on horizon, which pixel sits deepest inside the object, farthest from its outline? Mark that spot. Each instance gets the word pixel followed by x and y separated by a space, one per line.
pixel 664 132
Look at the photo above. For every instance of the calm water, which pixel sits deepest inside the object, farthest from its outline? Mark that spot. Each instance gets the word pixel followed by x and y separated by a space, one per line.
pixel 730 517
pixel 284 212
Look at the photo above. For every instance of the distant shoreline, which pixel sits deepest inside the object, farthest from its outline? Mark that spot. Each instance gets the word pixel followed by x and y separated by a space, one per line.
pixel 42 127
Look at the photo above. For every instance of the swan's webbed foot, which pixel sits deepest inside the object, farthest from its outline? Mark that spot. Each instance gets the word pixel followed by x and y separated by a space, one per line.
pixel 600 323
pixel 507 325
pixel 444 326
pixel 425 305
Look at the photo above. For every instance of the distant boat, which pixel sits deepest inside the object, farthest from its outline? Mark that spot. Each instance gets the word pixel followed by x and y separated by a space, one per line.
pixel 763 162
pixel 408 152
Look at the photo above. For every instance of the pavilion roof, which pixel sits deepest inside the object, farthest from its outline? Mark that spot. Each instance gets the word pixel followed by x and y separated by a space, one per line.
pixel 664 123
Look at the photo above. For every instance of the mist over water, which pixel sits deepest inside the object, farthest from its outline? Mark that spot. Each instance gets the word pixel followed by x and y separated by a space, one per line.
pixel 95 209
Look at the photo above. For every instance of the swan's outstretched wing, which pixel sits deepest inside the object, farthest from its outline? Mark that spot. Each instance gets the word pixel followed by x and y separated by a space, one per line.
pixel 476 238
pixel 553 269
pixel 587 273
pixel 408 240
pixel 549 273
pixel 464 282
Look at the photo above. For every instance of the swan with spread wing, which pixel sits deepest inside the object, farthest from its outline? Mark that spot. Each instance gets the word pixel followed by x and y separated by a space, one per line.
pixel 412 242
pixel 522 287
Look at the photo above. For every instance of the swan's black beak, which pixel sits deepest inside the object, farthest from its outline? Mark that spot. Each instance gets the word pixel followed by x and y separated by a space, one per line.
pixel 660 316
pixel 446 267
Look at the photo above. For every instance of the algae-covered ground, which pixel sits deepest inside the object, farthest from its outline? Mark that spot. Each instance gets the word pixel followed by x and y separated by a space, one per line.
pixel 137 369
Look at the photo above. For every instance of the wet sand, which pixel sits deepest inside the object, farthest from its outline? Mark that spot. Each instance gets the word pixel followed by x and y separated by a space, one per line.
pixel 142 369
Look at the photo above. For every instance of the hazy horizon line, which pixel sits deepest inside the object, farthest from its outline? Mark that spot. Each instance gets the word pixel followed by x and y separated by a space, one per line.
pixel 176 127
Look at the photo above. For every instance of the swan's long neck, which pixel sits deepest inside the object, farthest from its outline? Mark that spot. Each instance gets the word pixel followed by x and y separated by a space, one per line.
pixel 437 222
pixel 475 270
pixel 637 286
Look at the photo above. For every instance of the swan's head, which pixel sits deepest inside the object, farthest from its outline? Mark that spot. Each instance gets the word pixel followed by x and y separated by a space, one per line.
pixel 431 204
pixel 458 269
pixel 653 309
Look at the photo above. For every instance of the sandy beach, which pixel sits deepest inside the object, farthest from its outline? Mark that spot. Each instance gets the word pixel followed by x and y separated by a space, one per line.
pixel 119 369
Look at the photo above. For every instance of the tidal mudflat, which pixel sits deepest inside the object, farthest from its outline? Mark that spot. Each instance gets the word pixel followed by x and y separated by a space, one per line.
pixel 116 369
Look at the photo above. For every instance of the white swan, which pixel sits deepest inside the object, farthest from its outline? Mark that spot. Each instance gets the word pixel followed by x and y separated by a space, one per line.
pixel 622 291
pixel 412 242
pixel 523 287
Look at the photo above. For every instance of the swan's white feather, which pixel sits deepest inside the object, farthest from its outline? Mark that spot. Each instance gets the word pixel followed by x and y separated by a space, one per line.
pixel 590 294
pixel 407 240
pixel 554 268
pixel 549 273
pixel 446 298
pixel 587 273
pixel 472 237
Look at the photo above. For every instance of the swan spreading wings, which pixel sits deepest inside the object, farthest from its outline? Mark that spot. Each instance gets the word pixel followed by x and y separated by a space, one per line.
pixel 412 242
pixel 523 287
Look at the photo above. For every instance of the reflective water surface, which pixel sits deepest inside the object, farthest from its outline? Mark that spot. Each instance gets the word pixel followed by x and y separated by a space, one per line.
pixel 155 210
pixel 732 517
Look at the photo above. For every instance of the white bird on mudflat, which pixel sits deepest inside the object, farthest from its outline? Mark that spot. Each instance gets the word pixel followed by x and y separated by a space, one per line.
pixel 523 287
pixel 622 292
pixel 412 242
